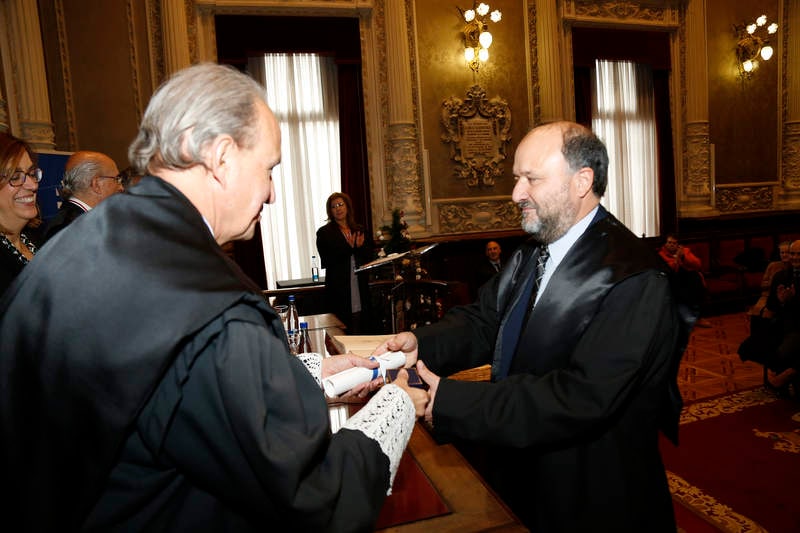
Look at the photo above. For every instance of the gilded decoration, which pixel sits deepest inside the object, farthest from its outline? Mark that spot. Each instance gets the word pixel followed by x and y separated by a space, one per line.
pixel 698 154
pixel 791 156
pixel 478 216
pixel 478 131
pixel 644 11
pixel 744 198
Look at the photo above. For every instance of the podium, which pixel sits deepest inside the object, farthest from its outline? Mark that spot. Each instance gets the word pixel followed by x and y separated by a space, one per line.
pixel 402 295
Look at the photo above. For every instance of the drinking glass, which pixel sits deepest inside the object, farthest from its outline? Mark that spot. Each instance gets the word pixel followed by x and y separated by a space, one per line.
pixel 283 312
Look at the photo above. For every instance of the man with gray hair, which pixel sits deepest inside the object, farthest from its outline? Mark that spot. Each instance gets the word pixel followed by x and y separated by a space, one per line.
pixel 89 178
pixel 152 388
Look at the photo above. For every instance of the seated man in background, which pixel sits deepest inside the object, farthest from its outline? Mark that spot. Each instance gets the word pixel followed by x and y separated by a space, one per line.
pixel 759 309
pixel 489 266
pixel 89 178
pixel 146 384
pixel 689 282
pixel 776 343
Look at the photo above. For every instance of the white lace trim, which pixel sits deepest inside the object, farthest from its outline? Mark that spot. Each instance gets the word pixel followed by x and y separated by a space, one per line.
pixel 388 418
pixel 313 363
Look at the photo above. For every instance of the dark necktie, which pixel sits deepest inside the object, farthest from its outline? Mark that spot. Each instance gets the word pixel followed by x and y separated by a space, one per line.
pixel 496 267
pixel 518 316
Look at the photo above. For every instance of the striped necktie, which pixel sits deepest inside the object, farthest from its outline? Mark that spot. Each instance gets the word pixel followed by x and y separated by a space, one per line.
pixel 541 261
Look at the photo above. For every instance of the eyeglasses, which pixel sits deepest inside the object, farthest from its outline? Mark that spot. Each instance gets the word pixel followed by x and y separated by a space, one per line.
pixel 18 177
pixel 337 204
pixel 118 179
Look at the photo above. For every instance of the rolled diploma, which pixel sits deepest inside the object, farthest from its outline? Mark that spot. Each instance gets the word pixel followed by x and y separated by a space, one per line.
pixel 345 380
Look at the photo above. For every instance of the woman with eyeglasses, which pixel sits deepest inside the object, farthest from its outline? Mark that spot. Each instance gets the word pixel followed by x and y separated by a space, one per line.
pixel 19 183
pixel 343 248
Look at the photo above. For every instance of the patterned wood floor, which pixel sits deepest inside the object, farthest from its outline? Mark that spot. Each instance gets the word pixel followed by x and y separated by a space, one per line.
pixel 710 364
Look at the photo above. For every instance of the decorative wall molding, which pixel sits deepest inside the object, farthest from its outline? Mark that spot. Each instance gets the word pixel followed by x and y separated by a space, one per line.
pixel 403 160
pixel 741 199
pixel 155 43
pixel 665 13
pixel 133 60
pixel 533 67
pixel 791 157
pixel 698 155
pixel 478 131
pixel 66 75
pixel 470 216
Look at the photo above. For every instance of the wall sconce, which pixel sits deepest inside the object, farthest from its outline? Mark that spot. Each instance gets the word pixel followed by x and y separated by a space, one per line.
pixel 753 43
pixel 477 38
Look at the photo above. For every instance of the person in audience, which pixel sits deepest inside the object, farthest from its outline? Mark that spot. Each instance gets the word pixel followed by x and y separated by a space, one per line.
pixel 343 248
pixel 89 178
pixel 491 266
pixel 583 369
pixel 782 348
pixel 19 211
pixel 688 279
pixel 759 309
pixel 193 416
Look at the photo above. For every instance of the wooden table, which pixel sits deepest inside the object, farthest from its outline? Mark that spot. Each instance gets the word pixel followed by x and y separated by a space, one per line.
pixel 428 471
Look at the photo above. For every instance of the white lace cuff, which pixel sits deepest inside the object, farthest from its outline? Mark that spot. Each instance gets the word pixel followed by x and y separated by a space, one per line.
pixel 388 418
pixel 313 363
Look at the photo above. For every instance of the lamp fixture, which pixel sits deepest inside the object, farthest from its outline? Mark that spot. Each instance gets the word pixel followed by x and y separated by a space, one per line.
pixel 752 44
pixel 477 37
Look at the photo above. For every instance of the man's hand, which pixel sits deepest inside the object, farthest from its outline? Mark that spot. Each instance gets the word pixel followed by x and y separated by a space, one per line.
pixel 432 380
pixel 405 342
pixel 418 396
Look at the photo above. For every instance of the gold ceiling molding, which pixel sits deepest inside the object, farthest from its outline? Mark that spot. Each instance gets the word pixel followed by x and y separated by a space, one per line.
pixel 644 12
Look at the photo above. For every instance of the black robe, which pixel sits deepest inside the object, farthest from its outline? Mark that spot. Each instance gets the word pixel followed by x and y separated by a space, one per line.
pixel 573 429
pixel 335 254
pixel 144 380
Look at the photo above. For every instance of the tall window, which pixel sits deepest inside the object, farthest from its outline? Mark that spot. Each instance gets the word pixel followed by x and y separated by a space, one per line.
pixel 623 116
pixel 302 92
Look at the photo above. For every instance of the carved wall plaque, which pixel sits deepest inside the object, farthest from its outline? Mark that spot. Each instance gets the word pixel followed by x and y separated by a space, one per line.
pixel 478 131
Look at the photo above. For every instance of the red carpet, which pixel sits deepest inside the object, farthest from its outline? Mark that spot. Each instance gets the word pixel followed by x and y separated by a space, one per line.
pixel 738 464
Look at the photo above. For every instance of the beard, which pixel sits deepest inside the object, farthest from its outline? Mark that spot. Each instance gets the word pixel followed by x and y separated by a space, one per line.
pixel 552 219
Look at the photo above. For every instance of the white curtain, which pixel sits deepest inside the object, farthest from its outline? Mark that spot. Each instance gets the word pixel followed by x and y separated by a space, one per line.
pixel 623 116
pixel 302 92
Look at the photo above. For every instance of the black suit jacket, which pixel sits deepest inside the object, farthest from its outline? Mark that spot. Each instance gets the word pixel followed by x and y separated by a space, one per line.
pixel 67 213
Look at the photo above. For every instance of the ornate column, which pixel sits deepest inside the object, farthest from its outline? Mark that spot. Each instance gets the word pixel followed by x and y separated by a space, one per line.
pixel 553 90
pixel 789 196
pixel 175 29
pixel 29 80
pixel 696 187
pixel 404 180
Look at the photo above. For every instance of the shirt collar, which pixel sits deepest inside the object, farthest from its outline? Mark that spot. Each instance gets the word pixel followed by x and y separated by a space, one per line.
pixel 80 203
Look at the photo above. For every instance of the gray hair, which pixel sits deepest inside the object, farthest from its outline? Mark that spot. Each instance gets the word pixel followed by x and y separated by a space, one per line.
pixel 189 111
pixel 79 178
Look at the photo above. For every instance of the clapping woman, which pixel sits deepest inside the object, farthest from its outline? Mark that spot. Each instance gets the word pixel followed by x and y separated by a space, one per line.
pixel 19 183
pixel 342 248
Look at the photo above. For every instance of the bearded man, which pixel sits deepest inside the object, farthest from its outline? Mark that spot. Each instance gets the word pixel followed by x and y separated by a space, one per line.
pixel 582 334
